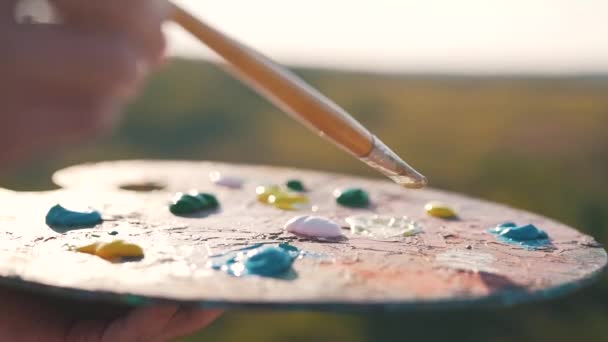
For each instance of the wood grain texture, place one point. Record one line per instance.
(452, 262)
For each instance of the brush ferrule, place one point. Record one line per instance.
(384, 160)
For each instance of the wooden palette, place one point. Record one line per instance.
(452, 262)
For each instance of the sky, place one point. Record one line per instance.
(453, 36)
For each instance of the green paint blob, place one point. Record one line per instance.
(186, 204)
(295, 185)
(134, 300)
(189, 204)
(353, 197)
(60, 217)
(212, 202)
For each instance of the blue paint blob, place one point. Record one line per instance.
(269, 261)
(498, 229)
(527, 235)
(260, 260)
(289, 247)
(523, 233)
(60, 217)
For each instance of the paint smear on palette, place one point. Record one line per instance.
(60, 217)
(259, 259)
(527, 236)
(313, 226)
(385, 228)
(467, 260)
(221, 179)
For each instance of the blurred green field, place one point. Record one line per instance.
(535, 143)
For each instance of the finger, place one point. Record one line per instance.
(139, 20)
(21, 309)
(142, 324)
(188, 321)
(86, 330)
(54, 55)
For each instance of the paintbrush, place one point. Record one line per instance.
(304, 103)
(301, 101)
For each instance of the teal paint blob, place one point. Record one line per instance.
(189, 203)
(295, 185)
(353, 197)
(527, 235)
(60, 217)
(261, 260)
(113, 233)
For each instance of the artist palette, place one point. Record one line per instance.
(449, 262)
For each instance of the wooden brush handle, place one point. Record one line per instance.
(282, 88)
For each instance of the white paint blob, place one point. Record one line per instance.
(224, 180)
(313, 226)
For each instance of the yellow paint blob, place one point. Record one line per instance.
(113, 250)
(119, 249)
(281, 197)
(438, 209)
(265, 191)
(288, 201)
